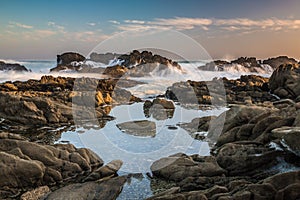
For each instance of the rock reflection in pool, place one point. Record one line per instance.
(138, 153)
(141, 128)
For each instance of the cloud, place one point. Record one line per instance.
(114, 22)
(206, 24)
(17, 24)
(91, 24)
(54, 25)
(134, 21)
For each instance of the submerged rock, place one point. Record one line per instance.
(143, 128)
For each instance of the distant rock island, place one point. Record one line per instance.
(248, 64)
(12, 67)
(135, 63)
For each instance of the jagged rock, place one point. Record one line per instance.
(66, 61)
(242, 64)
(284, 81)
(12, 67)
(221, 91)
(276, 62)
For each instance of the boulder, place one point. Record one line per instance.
(105, 189)
(245, 158)
(179, 166)
(284, 81)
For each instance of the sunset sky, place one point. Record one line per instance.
(225, 28)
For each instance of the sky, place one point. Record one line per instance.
(224, 28)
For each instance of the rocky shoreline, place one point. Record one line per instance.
(255, 145)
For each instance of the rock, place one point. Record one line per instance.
(291, 139)
(178, 167)
(237, 116)
(36, 194)
(245, 158)
(103, 58)
(159, 109)
(106, 189)
(141, 128)
(242, 64)
(56, 100)
(108, 170)
(135, 58)
(198, 124)
(284, 81)
(194, 195)
(276, 62)
(115, 71)
(297, 119)
(220, 92)
(26, 164)
(12, 67)
(68, 60)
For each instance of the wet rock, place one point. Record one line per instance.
(105, 189)
(242, 64)
(12, 67)
(143, 128)
(110, 169)
(115, 71)
(136, 58)
(245, 158)
(159, 109)
(276, 62)
(198, 124)
(180, 166)
(219, 92)
(66, 61)
(284, 81)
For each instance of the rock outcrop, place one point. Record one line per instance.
(280, 60)
(59, 102)
(68, 61)
(247, 89)
(242, 64)
(285, 80)
(12, 67)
